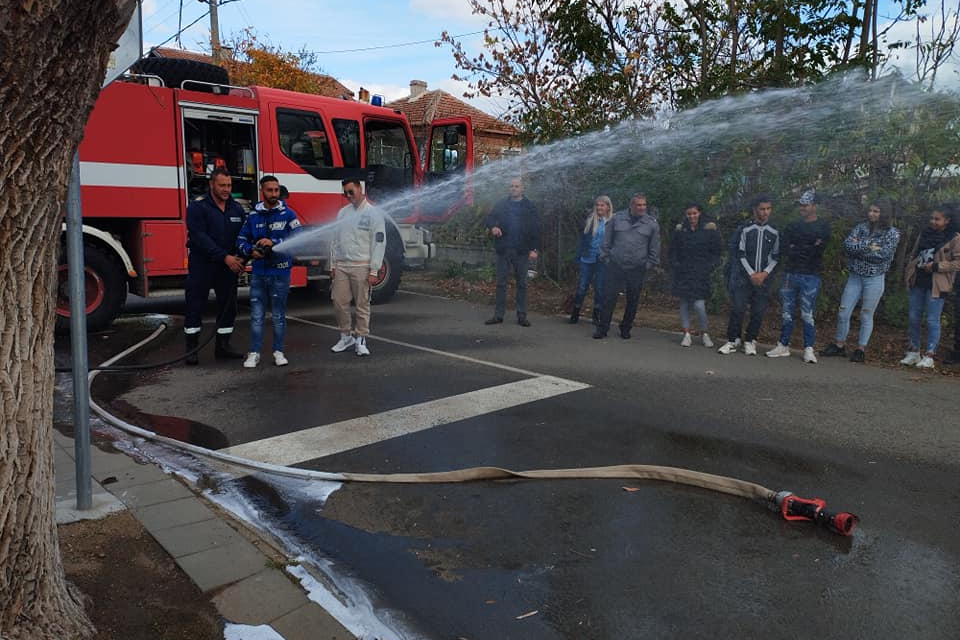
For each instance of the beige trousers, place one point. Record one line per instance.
(350, 283)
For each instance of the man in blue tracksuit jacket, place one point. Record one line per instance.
(261, 237)
(213, 223)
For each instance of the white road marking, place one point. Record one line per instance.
(437, 352)
(318, 442)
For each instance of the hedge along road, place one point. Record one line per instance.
(594, 560)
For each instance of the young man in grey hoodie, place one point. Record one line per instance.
(631, 245)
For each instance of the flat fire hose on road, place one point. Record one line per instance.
(791, 507)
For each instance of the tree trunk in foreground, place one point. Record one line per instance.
(53, 54)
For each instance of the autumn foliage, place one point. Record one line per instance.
(257, 62)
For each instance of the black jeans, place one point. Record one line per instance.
(742, 295)
(618, 279)
(515, 263)
(200, 279)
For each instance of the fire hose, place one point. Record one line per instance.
(791, 507)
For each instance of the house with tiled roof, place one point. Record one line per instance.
(328, 86)
(492, 138)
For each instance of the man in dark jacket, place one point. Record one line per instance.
(515, 227)
(213, 223)
(802, 246)
(758, 251)
(631, 245)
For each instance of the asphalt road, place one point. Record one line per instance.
(591, 559)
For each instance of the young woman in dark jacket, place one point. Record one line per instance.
(694, 253)
(588, 259)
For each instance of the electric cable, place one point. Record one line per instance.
(392, 46)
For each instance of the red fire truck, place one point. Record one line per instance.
(152, 140)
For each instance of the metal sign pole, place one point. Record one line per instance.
(128, 51)
(78, 341)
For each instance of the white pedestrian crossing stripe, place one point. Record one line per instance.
(317, 442)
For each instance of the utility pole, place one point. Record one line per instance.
(214, 31)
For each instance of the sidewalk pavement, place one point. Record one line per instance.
(241, 581)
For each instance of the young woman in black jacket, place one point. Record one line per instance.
(694, 253)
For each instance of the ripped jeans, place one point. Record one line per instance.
(804, 286)
(272, 288)
(867, 290)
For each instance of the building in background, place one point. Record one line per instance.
(493, 139)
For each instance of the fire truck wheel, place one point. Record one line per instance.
(174, 71)
(389, 279)
(105, 290)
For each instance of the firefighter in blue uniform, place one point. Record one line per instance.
(213, 224)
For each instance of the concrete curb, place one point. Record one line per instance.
(243, 582)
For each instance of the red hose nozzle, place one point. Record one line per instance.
(813, 509)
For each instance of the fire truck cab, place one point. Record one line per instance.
(148, 150)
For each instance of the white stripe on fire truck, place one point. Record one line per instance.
(115, 174)
(305, 183)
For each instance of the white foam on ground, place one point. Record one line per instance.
(357, 619)
(246, 632)
(348, 601)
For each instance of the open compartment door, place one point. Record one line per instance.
(448, 167)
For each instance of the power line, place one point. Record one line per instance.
(392, 46)
(177, 34)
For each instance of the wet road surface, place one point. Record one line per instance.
(591, 559)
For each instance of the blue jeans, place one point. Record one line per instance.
(864, 289)
(275, 287)
(805, 287)
(590, 272)
(700, 307)
(921, 301)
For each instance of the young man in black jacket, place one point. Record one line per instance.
(515, 227)
(758, 251)
(803, 245)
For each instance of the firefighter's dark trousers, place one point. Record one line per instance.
(201, 277)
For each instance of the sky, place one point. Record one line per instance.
(368, 42)
(336, 29)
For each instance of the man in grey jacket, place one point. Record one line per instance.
(631, 245)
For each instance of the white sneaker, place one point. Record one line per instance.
(361, 344)
(346, 341)
(911, 358)
(687, 341)
(729, 347)
(779, 351)
(750, 347)
(808, 355)
(926, 362)
(253, 359)
(279, 359)
(707, 342)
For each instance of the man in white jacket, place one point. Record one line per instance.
(356, 255)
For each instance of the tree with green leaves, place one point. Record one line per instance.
(566, 67)
(579, 65)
